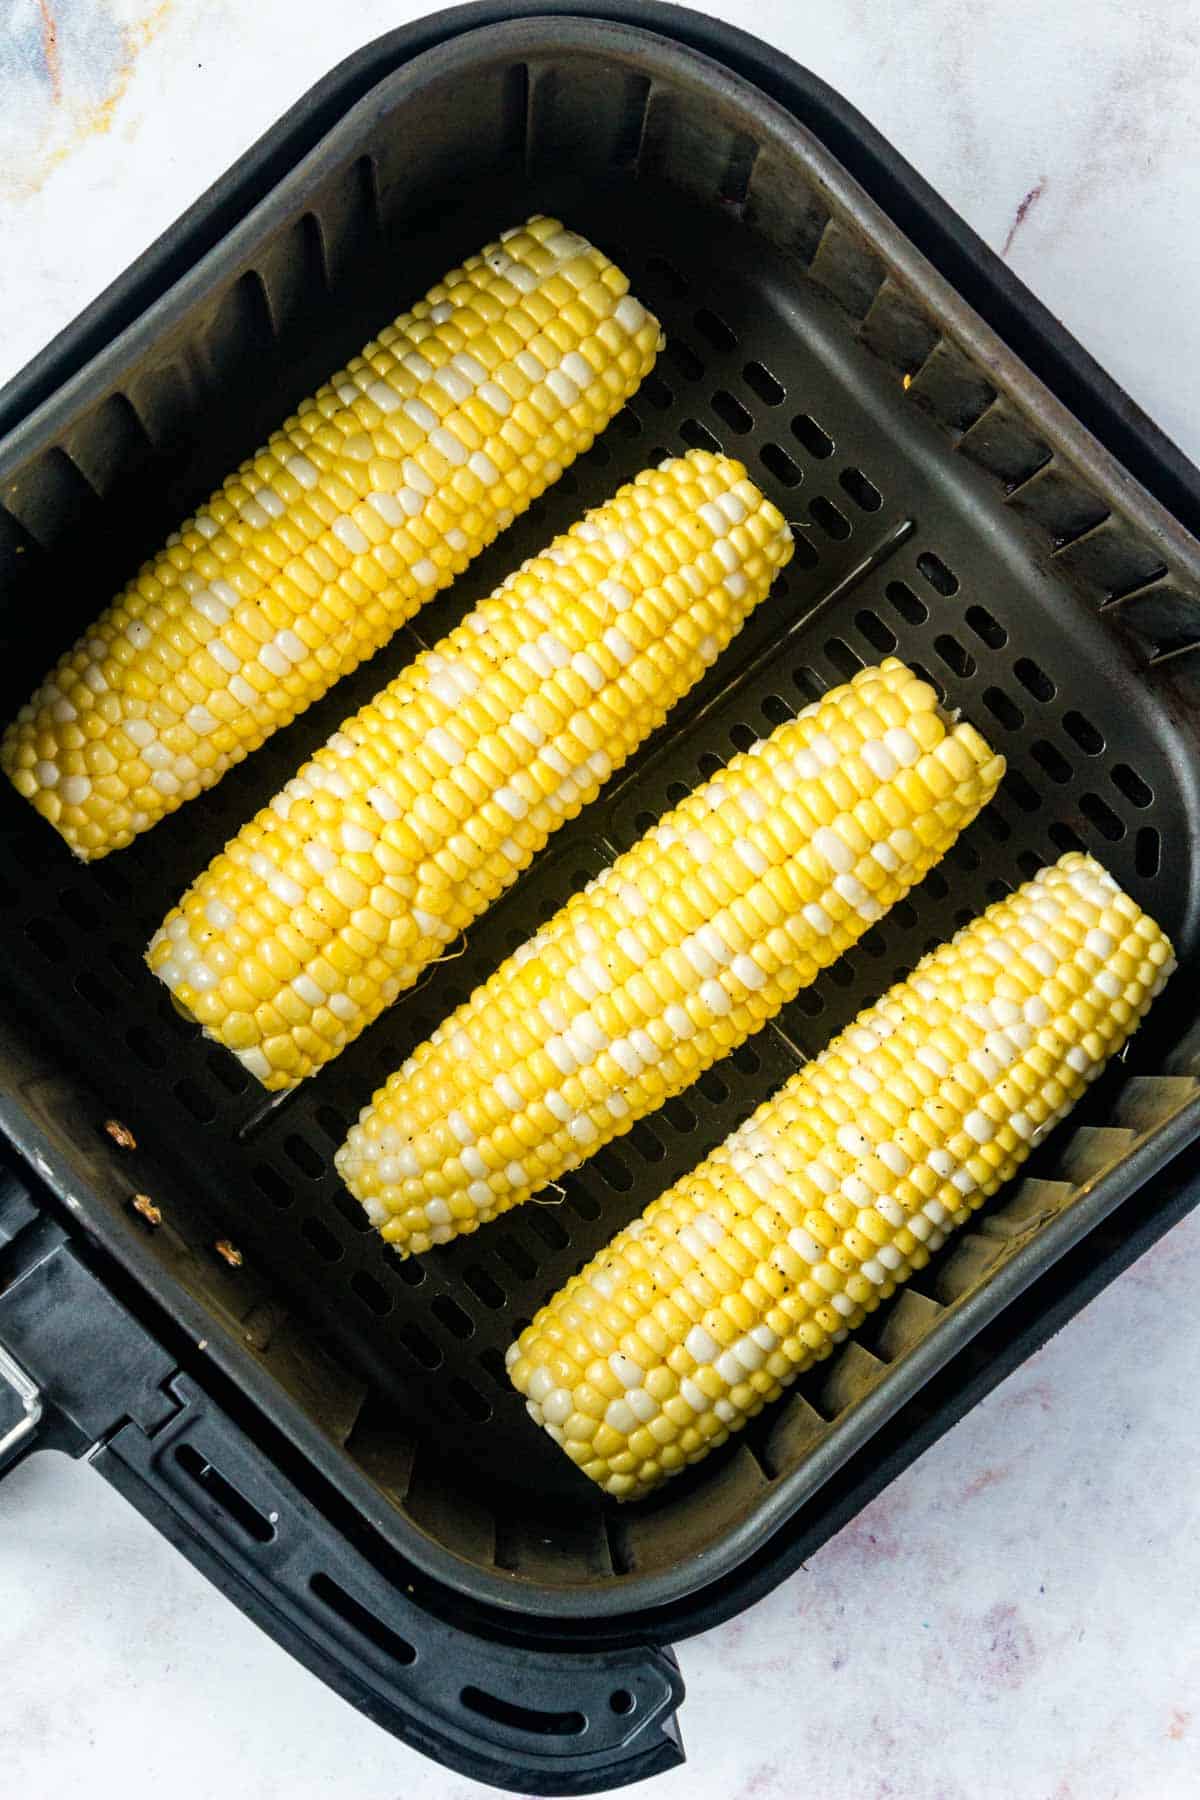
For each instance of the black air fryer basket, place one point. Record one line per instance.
(327, 1432)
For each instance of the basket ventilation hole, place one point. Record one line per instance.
(534, 1721)
(729, 408)
(760, 381)
(331, 1122)
(77, 909)
(544, 1223)
(941, 579)
(1063, 838)
(1022, 791)
(778, 463)
(984, 626)
(1034, 679)
(148, 1049)
(469, 1400)
(909, 605)
(697, 436)
(684, 359)
(581, 1203)
(680, 1116)
(1003, 708)
(1147, 851)
(807, 432)
(372, 1293)
(712, 1087)
(1085, 734)
(712, 326)
(958, 660)
(776, 710)
(1128, 782)
(420, 1347)
(516, 1256)
(735, 181)
(926, 675)
(646, 1142)
(1102, 816)
(318, 1234)
(452, 1316)
(353, 1613)
(197, 1102)
(302, 1154)
(632, 123)
(808, 683)
(622, 1701)
(1049, 758)
(483, 1287)
(270, 1182)
(667, 275)
(656, 391)
(831, 519)
(865, 495)
(42, 934)
(232, 1502)
(846, 661)
(228, 1073)
(612, 1171)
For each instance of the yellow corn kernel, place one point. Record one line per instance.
(544, 1022)
(375, 494)
(836, 1266)
(428, 803)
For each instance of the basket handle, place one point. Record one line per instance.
(79, 1373)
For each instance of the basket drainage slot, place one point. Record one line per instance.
(523, 1718)
(353, 1613)
(231, 1501)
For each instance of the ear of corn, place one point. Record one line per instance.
(377, 492)
(753, 1266)
(686, 945)
(431, 800)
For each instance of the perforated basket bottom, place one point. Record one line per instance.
(923, 558)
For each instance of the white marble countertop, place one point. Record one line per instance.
(1015, 1618)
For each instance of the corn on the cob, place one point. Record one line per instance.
(372, 497)
(433, 798)
(752, 1267)
(672, 957)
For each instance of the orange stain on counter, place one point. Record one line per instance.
(88, 61)
(50, 50)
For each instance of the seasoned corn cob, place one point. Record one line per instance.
(670, 958)
(372, 497)
(432, 799)
(752, 1267)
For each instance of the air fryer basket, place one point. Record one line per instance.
(946, 509)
